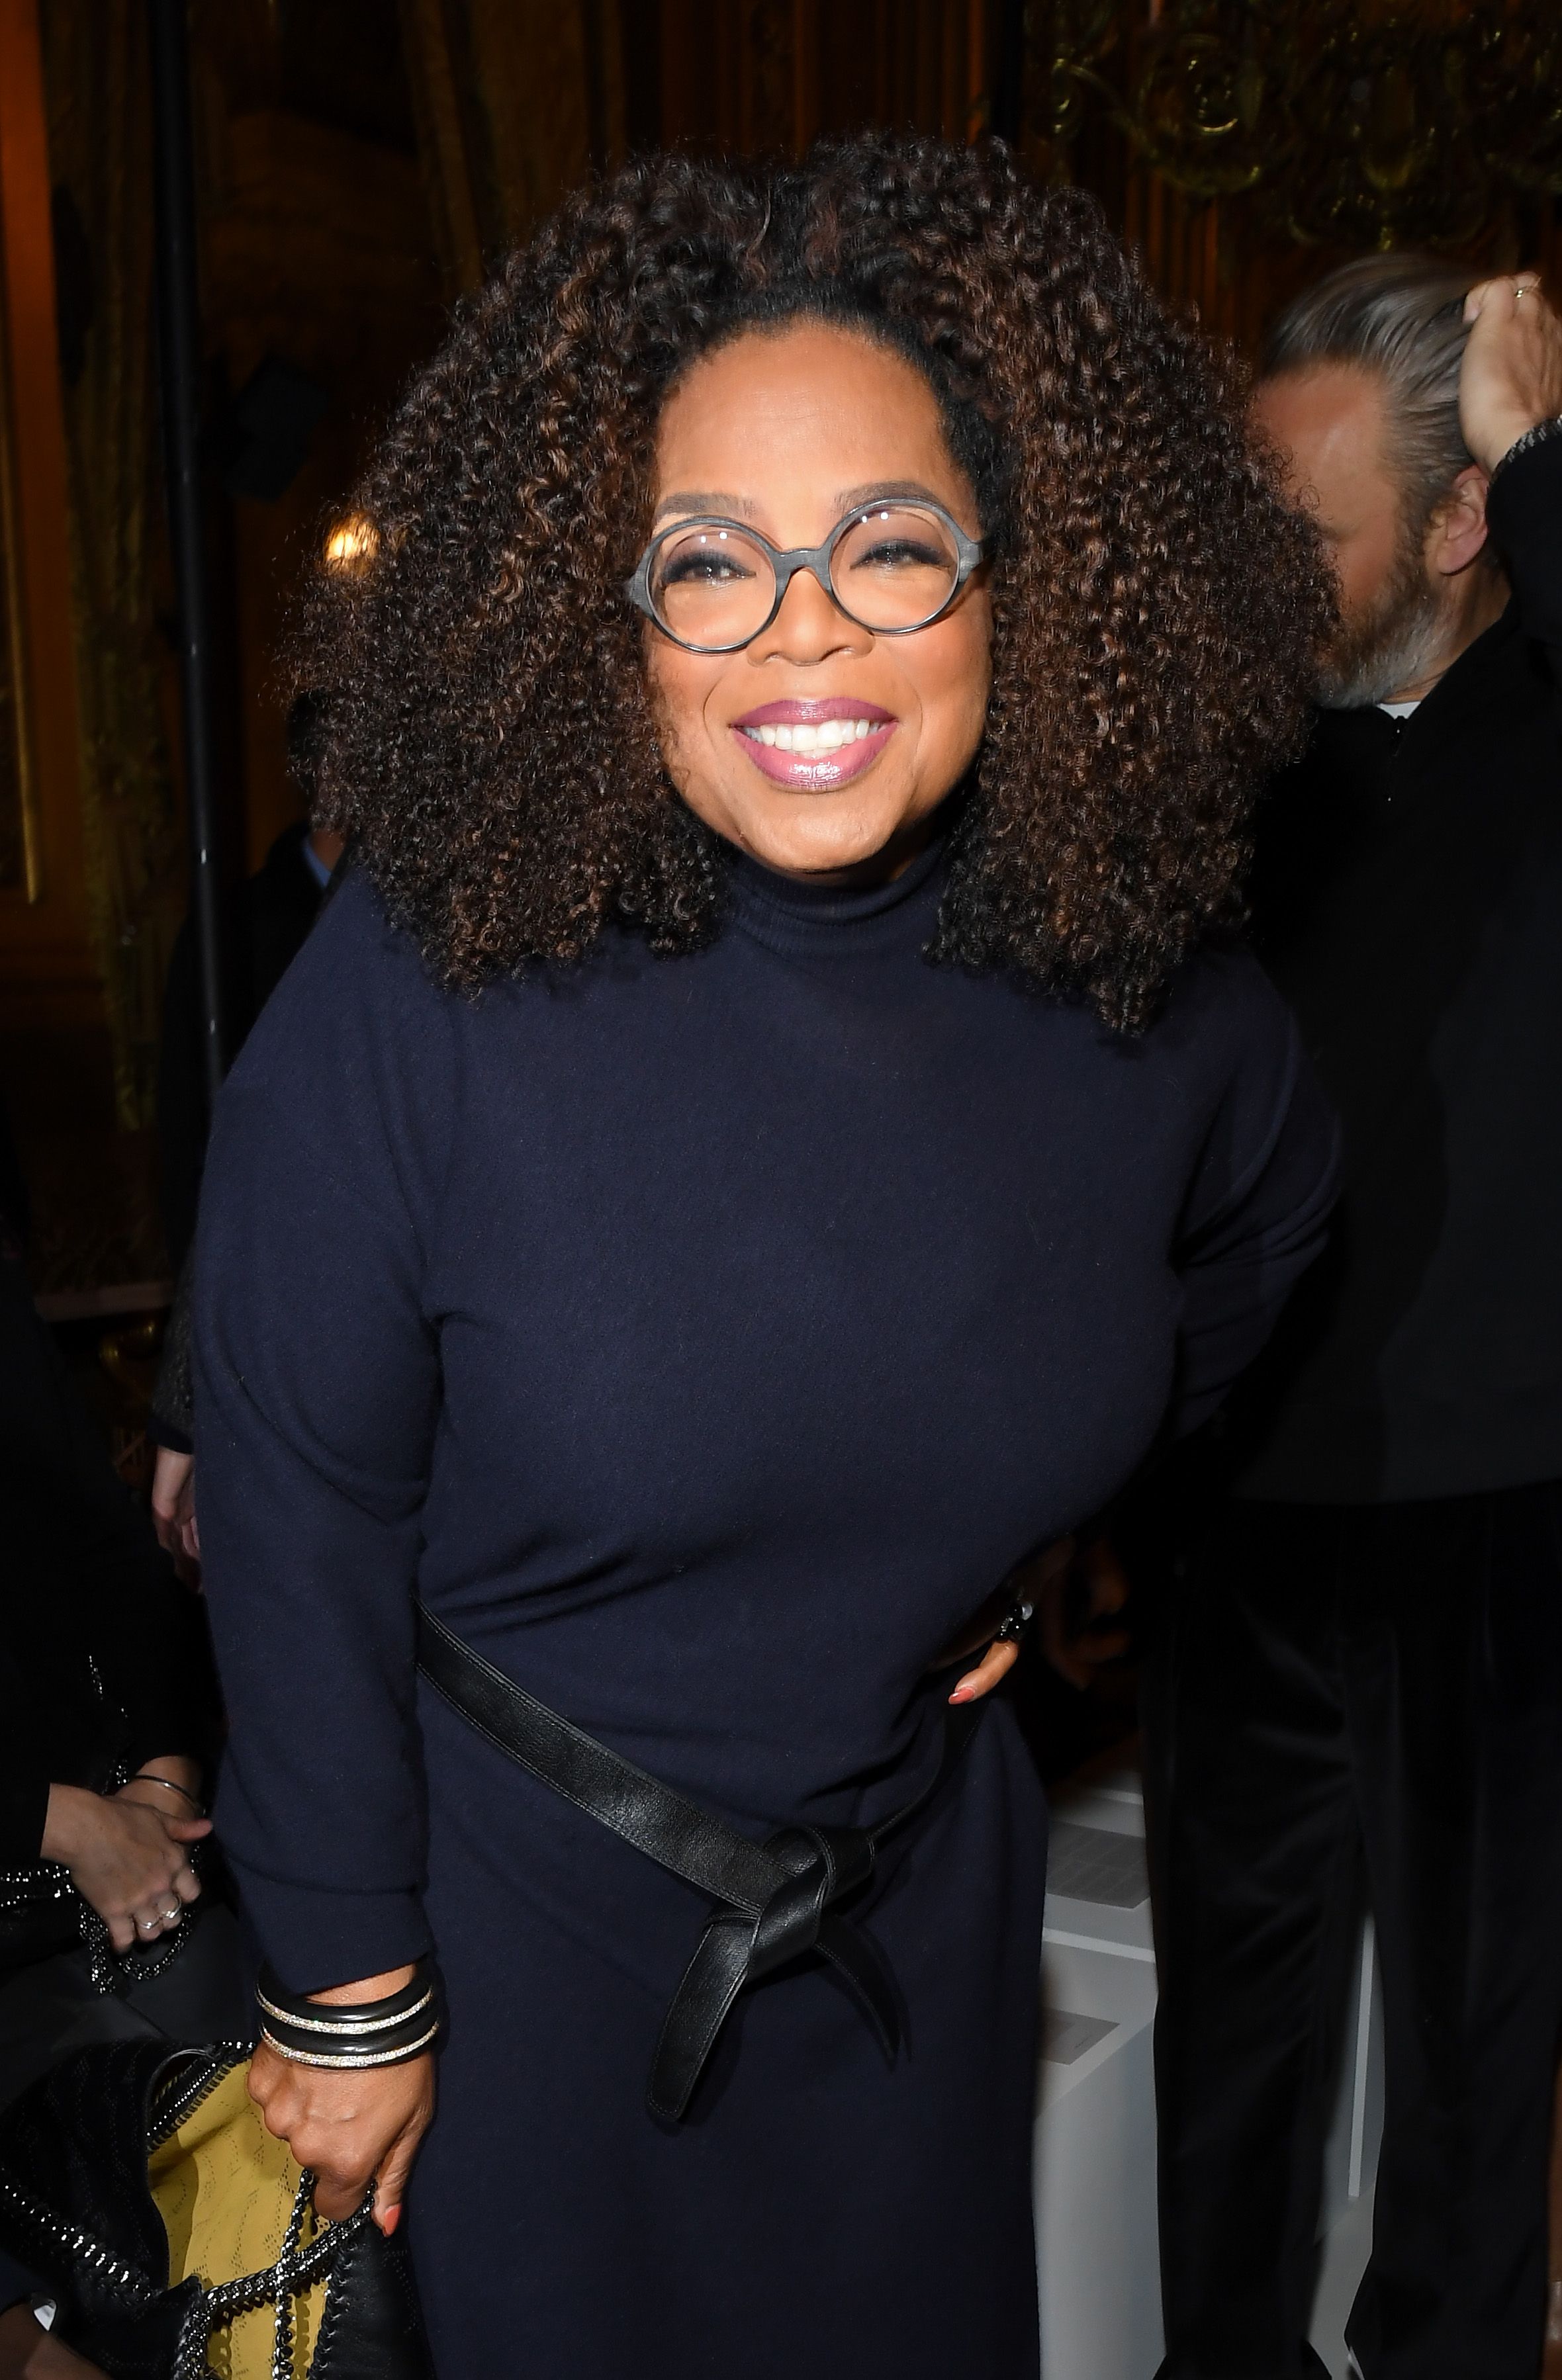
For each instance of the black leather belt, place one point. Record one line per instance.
(776, 1900)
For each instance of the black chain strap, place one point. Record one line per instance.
(294, 2271)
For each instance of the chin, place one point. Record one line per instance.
(802, 845)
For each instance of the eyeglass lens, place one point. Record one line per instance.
(893, 569)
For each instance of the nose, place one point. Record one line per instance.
(810, 627)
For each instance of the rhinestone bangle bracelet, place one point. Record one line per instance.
(349, 2058)
(366, 2032)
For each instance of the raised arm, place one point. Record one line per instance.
(1510, 388)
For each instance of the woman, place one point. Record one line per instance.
(108, 1719)
(746, 1161)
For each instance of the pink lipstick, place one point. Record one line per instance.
(815, 747)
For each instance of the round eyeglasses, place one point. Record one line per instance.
(714, 586)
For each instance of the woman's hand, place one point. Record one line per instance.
(126, 1857)
(1023, 1584)
(352, 2127)
(173, 1511)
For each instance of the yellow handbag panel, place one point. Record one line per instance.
(225, 2189)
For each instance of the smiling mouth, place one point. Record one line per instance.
(815, 747)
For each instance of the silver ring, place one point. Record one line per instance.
(148, 1924)
(1522, 289)
(172, 1916)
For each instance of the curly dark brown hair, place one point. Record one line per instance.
(1157, 606)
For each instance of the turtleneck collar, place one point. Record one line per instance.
(829, 920)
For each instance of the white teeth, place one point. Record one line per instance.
(829, 735)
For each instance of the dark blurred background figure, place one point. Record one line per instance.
(267, 920)
(1362, 1659)
(109, 1730)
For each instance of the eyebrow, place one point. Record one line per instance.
(693, 500)
(704, 500)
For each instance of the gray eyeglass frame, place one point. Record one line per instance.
(816, 559)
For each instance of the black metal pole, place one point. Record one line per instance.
(1006, 113)
(178, 326)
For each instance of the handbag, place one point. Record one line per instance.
(177, 2237)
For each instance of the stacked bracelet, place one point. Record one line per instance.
(365, 2033)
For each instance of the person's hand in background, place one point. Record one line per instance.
(127, 1855)
(1511, 377)
(173, 1511)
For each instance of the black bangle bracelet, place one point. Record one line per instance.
(364, 2033)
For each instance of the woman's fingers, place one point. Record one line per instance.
(995, 1666)
(390, 2182)
(346, 2128)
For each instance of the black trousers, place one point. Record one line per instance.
(1332, 1683)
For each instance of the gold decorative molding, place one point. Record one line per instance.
(1340, 121)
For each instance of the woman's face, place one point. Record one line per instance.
(788, 430)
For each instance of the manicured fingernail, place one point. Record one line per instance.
(964, 1691)
(389, 2220)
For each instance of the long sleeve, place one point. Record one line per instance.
(1256, 1216)
(316, 1391)
(172, 1419)
(89, 1599)
(1525, 511)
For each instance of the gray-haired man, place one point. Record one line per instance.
(1366, 1652)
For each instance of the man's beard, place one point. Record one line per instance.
(1397, 643)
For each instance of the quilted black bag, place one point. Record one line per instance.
(132, 2175)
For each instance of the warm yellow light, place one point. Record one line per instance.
(353, 543)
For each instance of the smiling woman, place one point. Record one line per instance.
(696, 1221)
(852, 673)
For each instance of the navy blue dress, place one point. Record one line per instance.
(704, 1339)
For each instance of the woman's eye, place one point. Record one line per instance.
(702, 569)
(899, 553)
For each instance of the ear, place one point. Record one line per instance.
(1458, 530)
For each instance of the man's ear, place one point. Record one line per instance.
(1458, 530)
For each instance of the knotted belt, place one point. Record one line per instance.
(776, 1900)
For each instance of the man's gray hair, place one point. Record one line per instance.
(1403, 317)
